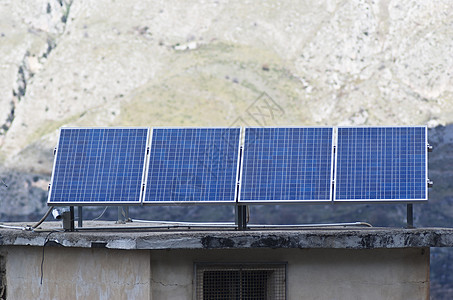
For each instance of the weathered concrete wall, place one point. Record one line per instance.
(78, 273)
(311, 273)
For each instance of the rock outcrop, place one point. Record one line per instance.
(217, 63)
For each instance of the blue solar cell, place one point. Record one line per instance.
(190, 165)
(95, 166)
(381, 164)
(287, 164)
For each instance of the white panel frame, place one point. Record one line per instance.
(281, 201)
(363, 201)
(97, 203)
(185, 203)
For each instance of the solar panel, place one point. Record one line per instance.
(381, 164)
(287, 165)
(98, 166)
(193, 165)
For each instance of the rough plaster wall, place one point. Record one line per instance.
(168, 274)
(312, 274)
(77, 274)
(367, 274)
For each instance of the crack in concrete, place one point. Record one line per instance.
(125, 283)
(163, 284)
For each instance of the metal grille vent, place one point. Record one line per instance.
(240, 281)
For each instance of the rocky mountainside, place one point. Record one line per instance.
(99, 63)
(222, 63)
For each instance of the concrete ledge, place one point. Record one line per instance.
(109, 235)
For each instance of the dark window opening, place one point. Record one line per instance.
(241, 282)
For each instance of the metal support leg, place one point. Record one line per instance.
(79, 216)
(241, 217)
(71, 212)
(410, 216)
(123, 214)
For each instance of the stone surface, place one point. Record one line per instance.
(112, 236)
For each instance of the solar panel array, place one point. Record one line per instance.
(95, 166)
(381, 164)
(99, 166)
(188, 165)
(287, 164)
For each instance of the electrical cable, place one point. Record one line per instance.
(311, 225)
(46, 240)
(174, 225)
(29, 228)
(43, 218)
(13, 227)
(185, 223)
(100, 216)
